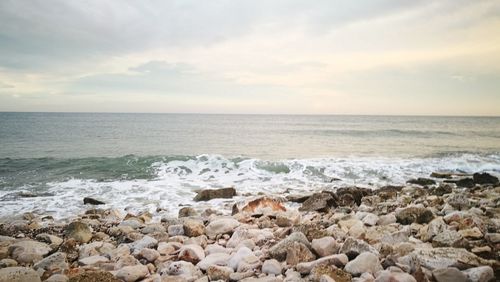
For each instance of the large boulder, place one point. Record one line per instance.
(28, 251)
(209, 194)
(484, 178)
(18, 274)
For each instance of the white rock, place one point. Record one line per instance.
(149, 254)
(92, 260)
(271, 266)
(214, 248)
(168, 248)
(386, 219)
(182, 268)
(221, 259)
(132, 273)
(238, 257)
(28, 251)
(145, 242)
(449, 274)
(175, 230)
(370, 219)
(221, 226)
(388, 276)
(480, 274)
(325, 246)
(364, 262)
(216, 272)
(94, 249)
(192, 253)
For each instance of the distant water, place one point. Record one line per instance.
(50, 161)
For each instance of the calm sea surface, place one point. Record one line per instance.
(134, 161)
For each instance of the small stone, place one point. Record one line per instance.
(193, 228)
(492, 237)
(482, 249)
(449, 238)
(271, 266)
(216, 272)
(364, 262)
(238, 257)
(18, 274)
(192, 253)
(449, 274)
(94, 276)
(386, 219)
(79, 231)
(388, 276)
(145, 242)
(320, 202)
(353, 247)
(480, 274)
(53, 241)
(473, 233)
(132, 273)
(370, 219)
(168, 248)
(325, 246)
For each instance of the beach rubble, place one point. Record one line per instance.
(443, 228)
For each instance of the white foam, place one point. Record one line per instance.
(177, 181)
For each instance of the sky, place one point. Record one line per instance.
(405, 57)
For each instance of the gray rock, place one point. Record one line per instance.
(386, 219)
(446, 257)
(55, 263)
(325, 246)
(132, 273)
(53, 241)
(449, 274)
(145, 242)
(149, 254)
(353, 247)
(449, 238)
(434, 227)
(271, 266)
(480, 274)
(175, 230)
(209, 194)
(238, 257)
(364, 263)
(221, 226)
(57, 278)
(298, 252)
(28, 251)
(279, 250)
(18, 274)
(79, 231)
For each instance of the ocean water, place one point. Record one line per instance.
(134, 162)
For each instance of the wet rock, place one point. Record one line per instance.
(193, 228)
(446, 257)
(216, 272)
(92, 201)
(449, 274)
(220, 259)
(298, 252)
(421, 181)
(325, 246)
(484, 178)
(187, 212)
(18, 274)
(221, 226)
(441, 190)
(271, 266)
(209, 194)
(480, 274)
(55, 263)
(191, 253)
(414, 215)
(279, 251)
(465, 182)
(336, 260)
(320, 202)
(28, 252)
(364, 263)
(132, 273)
(79, 231)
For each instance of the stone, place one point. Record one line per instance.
(364, 262)
(216, 272)
(434, 227)
(279, 251)
(421, 181)
(485, 178)
(132, 273)
(183, 269)
(351, 196)
(388, 276)
(57, 278)
(298, 252)
(221, 226)
(175, 230)
(238, 257)
(191, 253)
(153, 228)
(168, 248)
(449, 274)
(271, 266)
(480, 274)
(79, 231)
(220, 259)
(441, 190)
(320, 202)
(95, 248)
(331, 272)
(149, 254)
(7, 263)
(492, 237)
(18, 274)
(353, 247)
(145, 242)
(28, 252)
(472, 233)
(436, 258)
(53, 241)
(370, 219)
(55, 263)
(249, 263)
(339, 260)
(325, 246)
(193, 228)
(411, 215)
(259, 236)
(458, 201)
(386, 219)
(465, 182)
(92, 201)
(449, 238)
(209, 194)
(262, 205)
(187, 212)
(94, 276)
(93, 260)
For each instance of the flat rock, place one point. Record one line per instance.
(18, 274)
(320, 202)
(132, 273)
(209, 194)
(449, 274)
(388, 276)
(422, 181)
(92, 201)
(28, 251)
(221, 259)
(339, 260)
(221, 226)
(446, 257)
(449, 238)
(93, 260)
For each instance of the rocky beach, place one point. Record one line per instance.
(442, 228)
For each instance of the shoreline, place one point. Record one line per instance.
(422, 231)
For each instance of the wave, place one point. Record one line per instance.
(131, 182)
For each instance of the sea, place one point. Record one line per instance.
(156, 162)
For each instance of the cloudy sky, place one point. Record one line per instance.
(258, 56)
